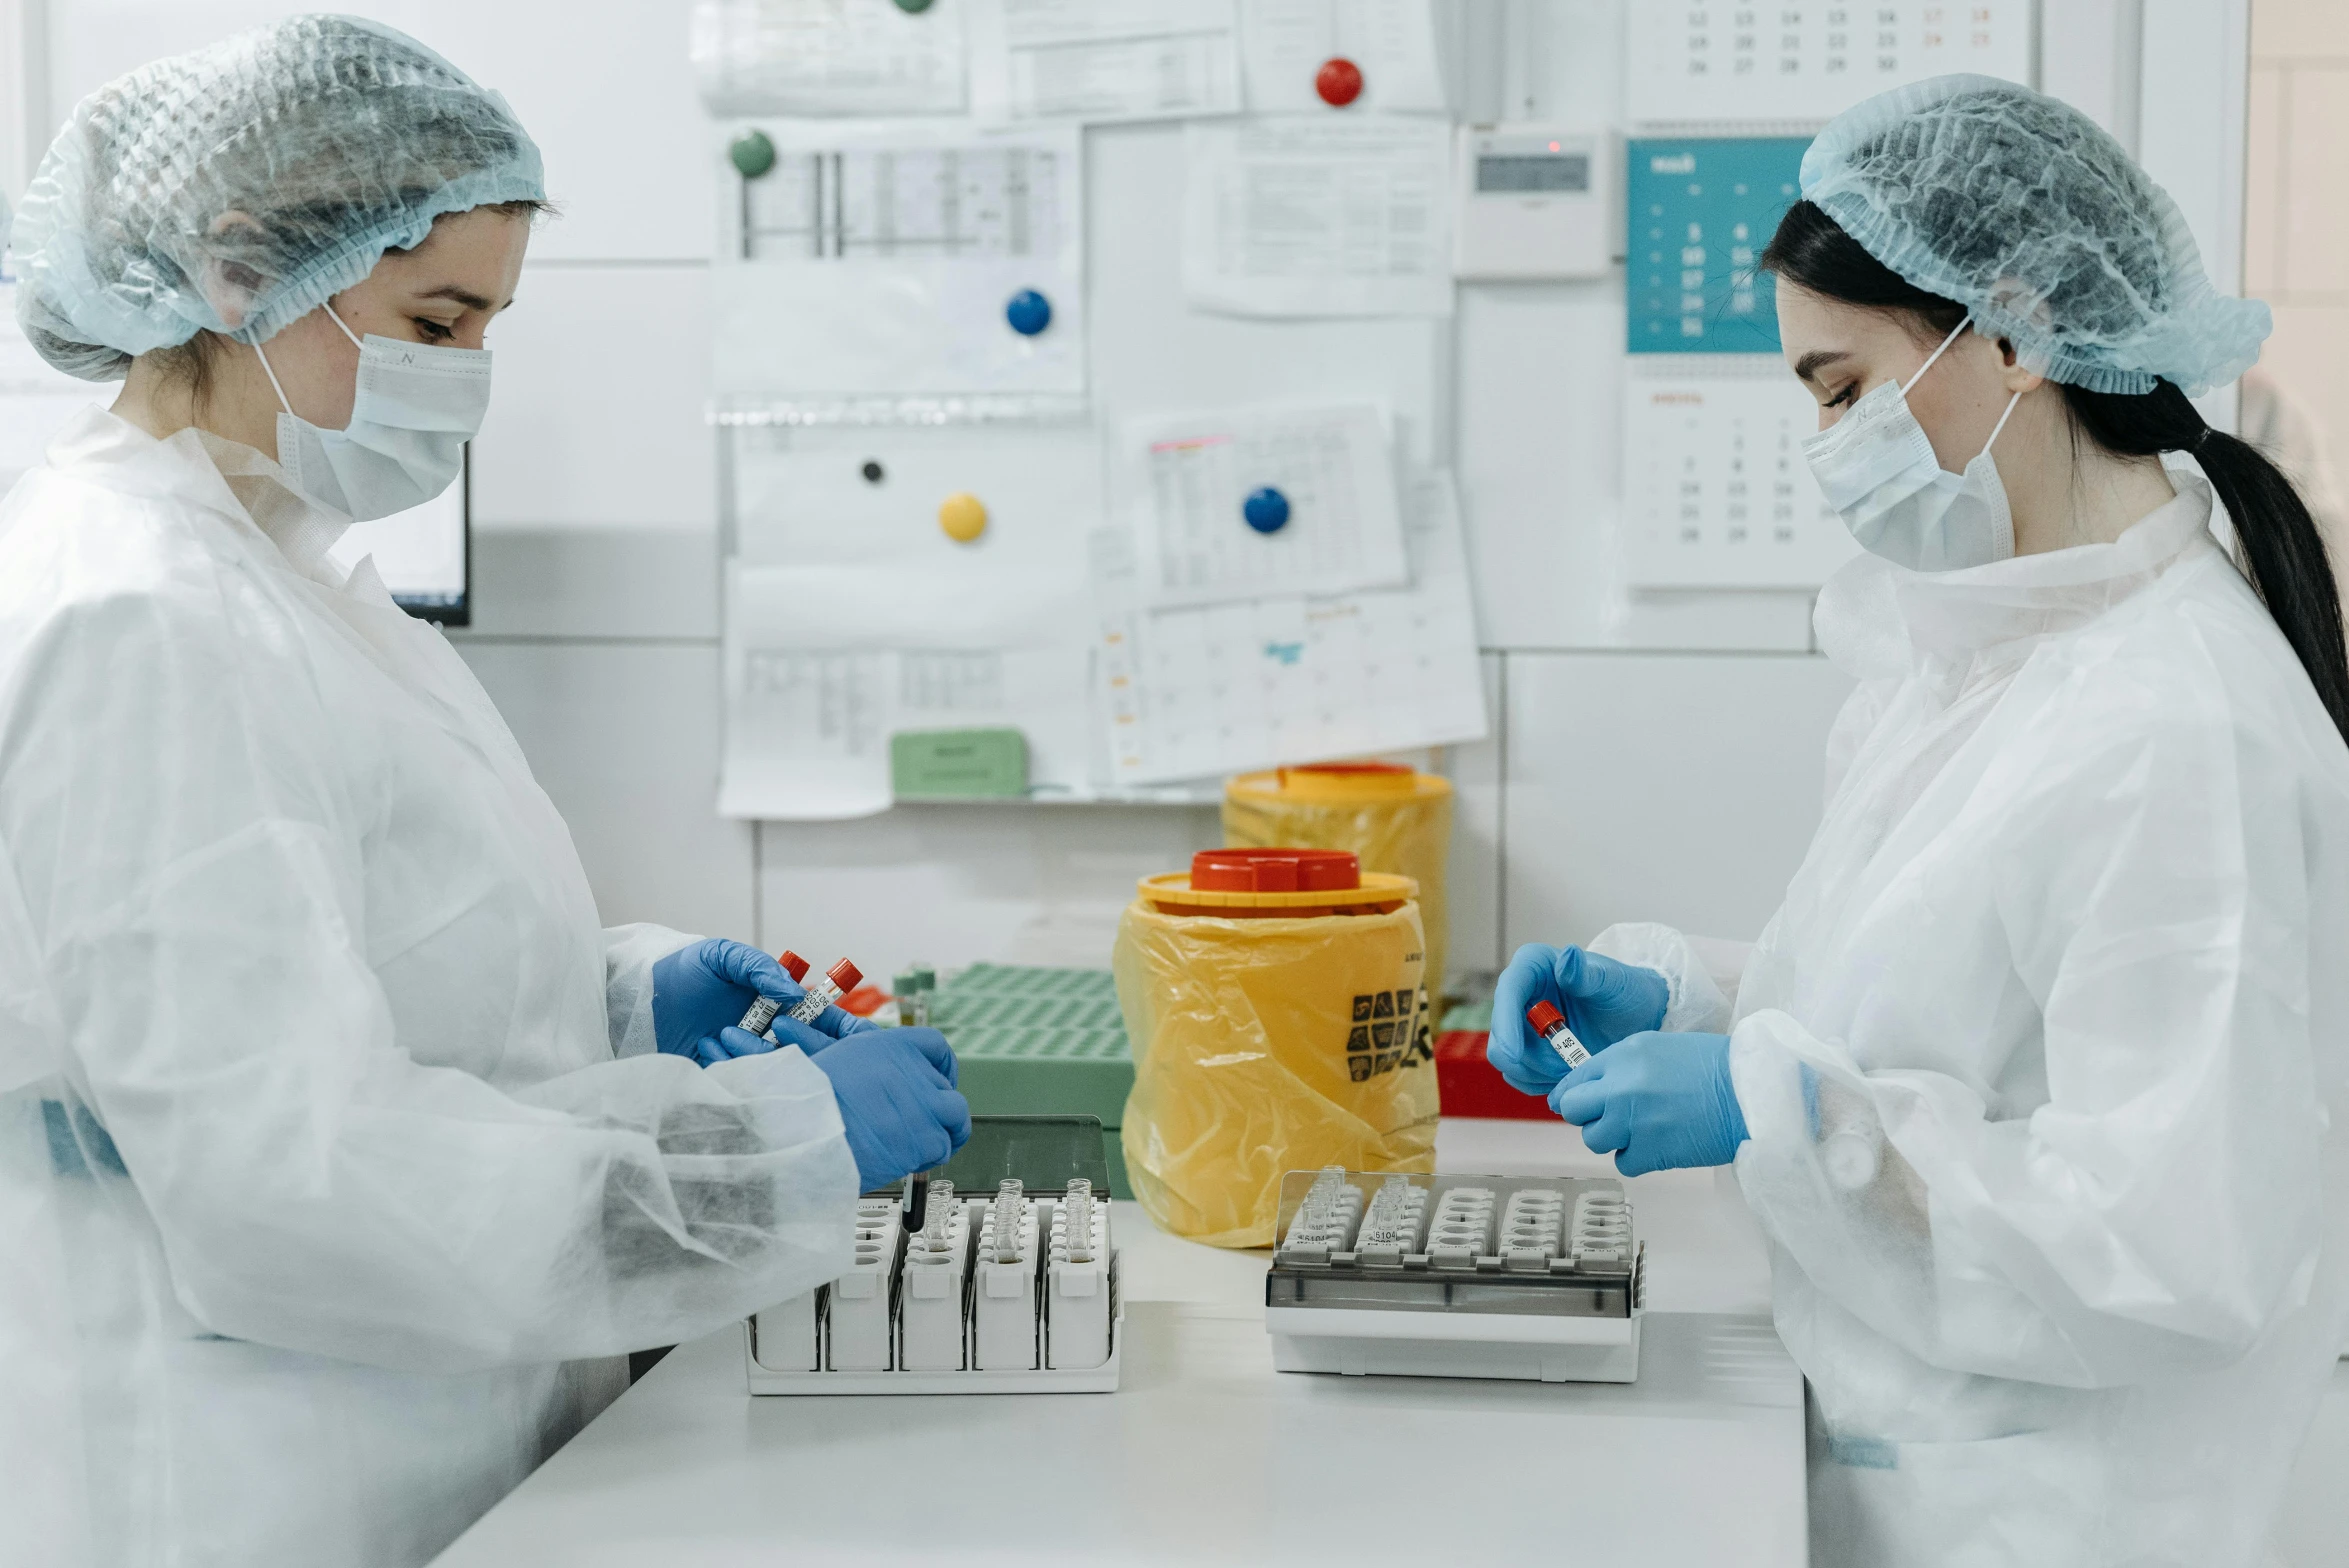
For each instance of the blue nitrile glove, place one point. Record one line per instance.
(831, 1025)
(901, 1112)
(1604, 1000)
(1657, 1102)
(702, 991)
(835, 1026)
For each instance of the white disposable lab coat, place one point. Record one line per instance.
(2043, 1058)
(331, 1142)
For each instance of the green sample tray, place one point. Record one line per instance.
(1040, 1042)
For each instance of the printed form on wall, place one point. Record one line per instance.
(1319, 216)
(825, 663)
(817, 57)
(904, 258)
(1253, 502)
(1102, 60)
(1194, 693)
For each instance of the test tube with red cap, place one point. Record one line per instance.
(762, 1012)
(842, 978)
(1550, 1024)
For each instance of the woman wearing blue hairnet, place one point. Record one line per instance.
(2036, 1082)
(339, 1148)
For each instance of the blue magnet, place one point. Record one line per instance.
(1266, 509)
(1028, 312)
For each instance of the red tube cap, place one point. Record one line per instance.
(1339, 81)
(846, 975)
(1543, 1017)
(793, 965)
(1275, 870)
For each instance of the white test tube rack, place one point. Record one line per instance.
(1058, 1318)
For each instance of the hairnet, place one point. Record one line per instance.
(237, 188)
(2023, 210)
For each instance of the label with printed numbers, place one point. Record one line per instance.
(1717, 493)
(1696, 60)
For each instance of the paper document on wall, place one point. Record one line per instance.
(1318, 216)
(883, 259)
(1284, 44)
(821, 57)
(1717, 493)
(1189, 480)
(36, 398)
(825, 663)
(1100, 60)
(1194, 693)
(1697, 62)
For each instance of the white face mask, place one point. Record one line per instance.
(1876, 467)
(412, 410)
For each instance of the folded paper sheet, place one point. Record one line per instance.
(1193, 693)
(1099, 60)
(1319, 215)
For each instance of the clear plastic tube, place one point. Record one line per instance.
(762, 1012)
(1550, 1024)
(842, 978)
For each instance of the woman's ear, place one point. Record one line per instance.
(229, 286)
(2016, 376)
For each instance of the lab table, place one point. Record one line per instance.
(1206, 1454)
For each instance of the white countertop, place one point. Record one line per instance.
(1206, 1454)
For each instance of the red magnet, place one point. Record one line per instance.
(1339, 81)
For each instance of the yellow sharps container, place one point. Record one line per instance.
(1394, 819)
(1279, 1022)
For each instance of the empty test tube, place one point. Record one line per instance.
(1390, 1227)
(762, 1012)
(1076, 1207)
(842, 978)
(1550, 1024)
(1009, 1196)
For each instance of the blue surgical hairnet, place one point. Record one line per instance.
(2021, 209)
(238, 188)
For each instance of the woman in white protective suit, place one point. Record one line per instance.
(2035, 1082)
(339, 1148)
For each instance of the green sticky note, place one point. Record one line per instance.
(958, 764)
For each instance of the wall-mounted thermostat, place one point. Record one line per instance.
(1536, 201)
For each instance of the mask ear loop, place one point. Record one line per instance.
(2001, 425)
(283, 401)
(273, 383)
(1935, 355)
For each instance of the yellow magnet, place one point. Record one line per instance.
(963, 516)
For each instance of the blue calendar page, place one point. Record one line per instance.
(1700, 209)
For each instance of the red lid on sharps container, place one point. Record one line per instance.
(1543, 1017)
(846, 975)
(1275, 870)
(793, 965)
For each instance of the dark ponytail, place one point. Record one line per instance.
(2281, 547)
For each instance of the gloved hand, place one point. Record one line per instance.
(1603, 999)
(701, 992)
(835, 1026)
(897, 1101)
(1657, 1102)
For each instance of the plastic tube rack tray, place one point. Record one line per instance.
(1455, 1276)
(1014, 1292)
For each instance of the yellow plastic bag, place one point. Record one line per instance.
(1393, 819)
(1265, 1043)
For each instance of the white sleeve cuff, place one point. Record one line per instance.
(1697, 1005)
(629, 955)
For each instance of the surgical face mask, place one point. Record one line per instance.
(1876, 467)
(412, 411)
